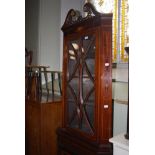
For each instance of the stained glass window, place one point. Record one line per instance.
(119, 8)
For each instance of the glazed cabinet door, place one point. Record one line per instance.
(87, 83)
(80, 83)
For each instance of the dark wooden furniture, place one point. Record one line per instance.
(87, 84)
(28, 57)
(43, 115)
(28, 61)
(36, 70)
(42, 118)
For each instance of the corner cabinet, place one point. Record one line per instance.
(87, 84)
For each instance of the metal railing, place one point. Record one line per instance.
(39, 81)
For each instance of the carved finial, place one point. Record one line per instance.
(72, 16)
(90, 9)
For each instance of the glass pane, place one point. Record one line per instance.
(72, 64)
(89, 51)
(88, 113)
(80, 86)
(73, 50)
(73, 117)
(87, 86)
(90, 65)
(73, 85)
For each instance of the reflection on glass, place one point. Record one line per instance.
(72, 57)
(76, 46)
(71, 52)
(86, 37)
(82, 50)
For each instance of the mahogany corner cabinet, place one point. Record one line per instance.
(87, 84)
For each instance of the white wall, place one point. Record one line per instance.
(44, 19)
(120, 118)
(42, 31)
(49, 34)
(31, 27)
(120, 92)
